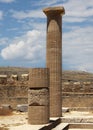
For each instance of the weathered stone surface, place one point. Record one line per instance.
(3, 79)
(54, 57)
(5, 109)
(24, 77)
(14, 76)
(38, 77)
(38, 97)
(22, 107)
(77, 120)
(6, 106)
(65, 109)
(38, 115)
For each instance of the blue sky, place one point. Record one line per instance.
(23, 33)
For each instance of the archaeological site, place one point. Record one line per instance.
(46, 98)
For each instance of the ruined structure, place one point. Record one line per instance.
(38, 96)
(44, 81)
(54, 57)
(3, 79)
(77, 89)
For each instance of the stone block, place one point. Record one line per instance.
(6, 106)
(65, 109)
(38, 115)
(38, 78)
(5, 109)
(22, 107)
(38, 97)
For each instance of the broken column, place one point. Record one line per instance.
(54, 57)
(38, 96)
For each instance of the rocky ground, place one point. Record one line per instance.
(16, 121)
(19, 120)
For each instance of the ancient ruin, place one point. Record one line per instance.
(38, 96)
(40, 79)
(54, 57)
(42, 93)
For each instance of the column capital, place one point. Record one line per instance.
(54, 10)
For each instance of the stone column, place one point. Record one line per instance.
(38, 96)
(54, 57)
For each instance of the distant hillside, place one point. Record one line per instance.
(66, 75)
(13, 70)
(77, 76)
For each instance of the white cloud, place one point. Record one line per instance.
(44, 3)
(1, 15)
(27, 47)
(27, 14)
(77, 36)
(77, 10)
(71, 19)
(36, 25)
(78, 39)
(36, 13)
(86, 67)
(78, 48)
(7, 1)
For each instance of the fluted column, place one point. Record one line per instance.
(54, 57)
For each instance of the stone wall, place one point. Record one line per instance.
(13, 91)
(77, 86)
(77, 93)
(78, 100)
